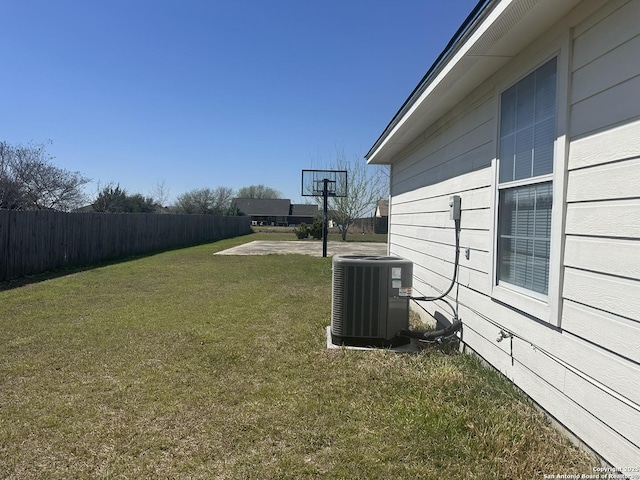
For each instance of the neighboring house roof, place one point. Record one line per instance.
(304, 210)
(271, 207)
(494, 32)
(162, 210)
(382, 208)
(84, 209)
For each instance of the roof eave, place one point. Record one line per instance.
(457, 39)
(494, 32)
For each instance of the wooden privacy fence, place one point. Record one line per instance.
(35, 242)
(370, 225)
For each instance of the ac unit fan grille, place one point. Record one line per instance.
(356, 302)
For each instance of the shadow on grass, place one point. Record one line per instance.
(70, 270)
(65, 271)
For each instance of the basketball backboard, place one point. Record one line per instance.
(313, 183)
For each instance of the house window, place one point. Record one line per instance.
(527, 134)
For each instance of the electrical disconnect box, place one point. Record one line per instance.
(455, 207)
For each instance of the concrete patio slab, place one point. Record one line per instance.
(261, 247)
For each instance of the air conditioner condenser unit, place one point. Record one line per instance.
(370, 300)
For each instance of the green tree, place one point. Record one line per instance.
(234, 211)
(138, 203)
(110, 199)
(114, 199)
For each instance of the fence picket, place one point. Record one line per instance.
(39, 241)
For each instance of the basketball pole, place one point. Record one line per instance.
(325, 223)
(334, 183)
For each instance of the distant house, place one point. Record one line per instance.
(265, 211)
(303, 213)
(382, 209)
(276, 211)
(381, 224)
(531, 115)
(85, 209)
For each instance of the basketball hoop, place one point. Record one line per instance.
(325, 184)
(313, 183)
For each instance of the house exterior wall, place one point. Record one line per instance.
(581, 361)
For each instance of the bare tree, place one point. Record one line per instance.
(29, 181)
(366, 185)
(258, 191)
(160, 194)
(11, 192)
(205, 201)
(223, 197)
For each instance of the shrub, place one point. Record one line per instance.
(316, 229)
(301, 231)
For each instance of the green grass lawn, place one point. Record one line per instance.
(190, 365)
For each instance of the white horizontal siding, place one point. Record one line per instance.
(577, 417)
(606, 71)
(461, 145)
(475, 239)
(618, 415)
(603, 188)
(471, 142)
(585, 373)
(473, 219)
(603, 367)
(620, 296)
(459, 184)
(610, 107)
(601, 287)
(433, 266)
(473, 200)
(450, 138)
(472, 160)
(605, 34)
(615, 333)
(616, 143)
(565, 395)
(611, 256)
(451, 151)
(571, 382)
(429, 283)
(478, 259)
(610, 181)
(604, 219)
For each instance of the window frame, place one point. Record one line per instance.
(547, 308)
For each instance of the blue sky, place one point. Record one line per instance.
(208, 93)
